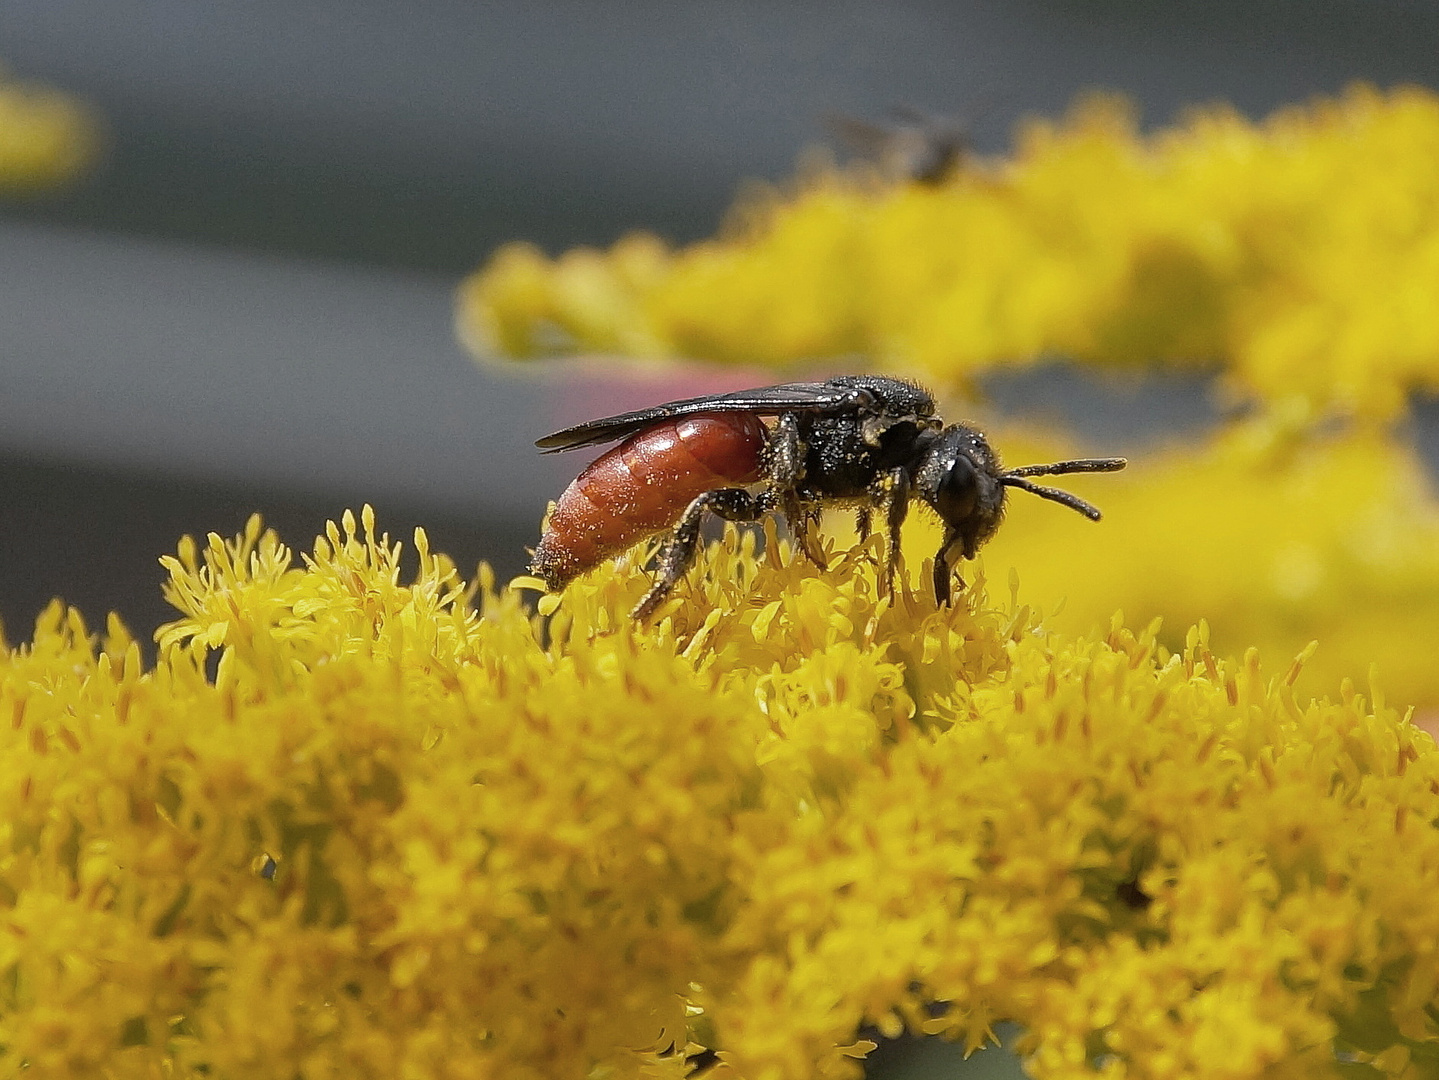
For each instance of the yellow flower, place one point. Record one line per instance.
(1300, 256)
(46, 137)
(1273, 535)
(351, 826)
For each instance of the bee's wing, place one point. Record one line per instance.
(860, 136)
(764, 400)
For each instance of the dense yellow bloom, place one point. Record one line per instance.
(349, 826)
(1301, 255)
(1273, 535)
(46, 137)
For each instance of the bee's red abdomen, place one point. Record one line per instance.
(643, 485)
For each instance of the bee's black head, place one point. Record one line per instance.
(961, 478)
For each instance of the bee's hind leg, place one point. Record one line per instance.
(678, 553)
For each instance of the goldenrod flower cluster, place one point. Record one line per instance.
(1276, 537)
(1299, 257)
(350, 826)
(1300, 254)
(46, 137)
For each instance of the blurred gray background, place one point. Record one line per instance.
(247, 305)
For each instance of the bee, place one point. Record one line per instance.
(865, 441)
(914, 146)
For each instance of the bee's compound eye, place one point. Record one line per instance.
(958, 490)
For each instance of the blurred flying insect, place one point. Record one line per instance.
(914, 146)
(865, 441)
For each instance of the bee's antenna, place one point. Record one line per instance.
(1074, 502)
(1092, 464)
(1016, 478)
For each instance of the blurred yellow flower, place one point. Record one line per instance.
(46, 137)
(1300, 256)
(350, 826)
(1275, 536)
(1297, 257)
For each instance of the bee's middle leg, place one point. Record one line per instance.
(783, 475)
(891, 495)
